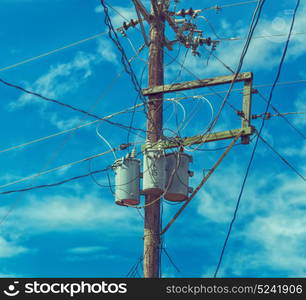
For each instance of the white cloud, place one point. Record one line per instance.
(283, 238)
(106, 51)
(10, 249)
(65, 213)
(217, 199)
(8, 275)
(294, 151)
(273, 211)
(99, 9)
(64, 124)
(300, 105)
(87, 249)
(59, 80)
(120, 15)
(65, 78)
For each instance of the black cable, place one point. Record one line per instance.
(53, 184)
(257, 139)
(135, 102)
(68, 106)
(284, 117)
(110, 184)
(254, 22)
(124, 60)
(175, 57)
(134, 267)
(171, 260)
(294, 169)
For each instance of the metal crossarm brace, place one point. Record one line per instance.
(199, 139)
(188, 85)
(246, 128)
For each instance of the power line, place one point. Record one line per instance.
(67, 130)
(294, 169)
(67, 106)
(54, 184)
(263, 85)
(261, 36)
(124, 60)
(219, 7)
(289, 113)
(58, 168)
(268, 115)
(77, 127)
(282, 115)
(104, 33)
(171, 260)
(52, 51)
(256, 142)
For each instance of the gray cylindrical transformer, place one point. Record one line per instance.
(154, 172)
(177, 172)
(127, 181)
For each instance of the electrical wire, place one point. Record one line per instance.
(105, 141)
(219, 7)
(171, 260)
(68, 130)
(54, 184)
(263, 85)
(256, 142)
(105, 33)
(175, 104)
(210, 25)
(135, 102)
(68, 106)
(136, 51)
(282, 115)
(124, 60)
(261, 36)
(294, 169)
(57, 168)
(279, 114)
(211, 109)
(52, 51)
(220, 61)
(254, 22)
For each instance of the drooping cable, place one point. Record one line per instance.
(256, 142)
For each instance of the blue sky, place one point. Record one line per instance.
(76, 230)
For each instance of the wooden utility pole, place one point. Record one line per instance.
(154, 133)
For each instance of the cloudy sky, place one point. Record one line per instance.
(76, 230)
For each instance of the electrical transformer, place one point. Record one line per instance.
(154, 172)
(127, 180)
(177, 174)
